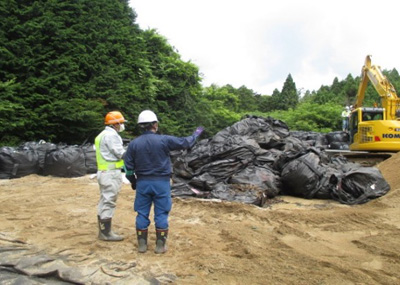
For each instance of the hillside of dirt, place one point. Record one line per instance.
(50, 224)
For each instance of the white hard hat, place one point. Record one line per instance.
(147, 116)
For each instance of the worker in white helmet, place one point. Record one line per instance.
(148, 164)
(109, 153)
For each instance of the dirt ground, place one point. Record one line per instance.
(288, 241)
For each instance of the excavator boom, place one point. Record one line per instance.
(389, 100)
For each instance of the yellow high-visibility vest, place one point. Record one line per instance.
(103, 164)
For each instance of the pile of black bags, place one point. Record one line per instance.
(47, 159)
(258, 158)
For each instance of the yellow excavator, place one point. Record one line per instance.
(375, 129)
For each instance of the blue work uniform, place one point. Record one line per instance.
(149, 157)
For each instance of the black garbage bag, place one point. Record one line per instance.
(240, 147)
(339, 145)
(258, 177)
(16, 163)
(294, 144)
(327, 183)
(205, 181)
(267, 132)
(42, 148)
(307, 177)
(65, 161)
(301, 175)
(220, 170)
(180, 167)
(232, 147)
(360, 185)
(302, 135)
(267, 158)
(238, 193)
(337, 136)
(290, 155)
(315, 139)
(89, 152)
(198, 156)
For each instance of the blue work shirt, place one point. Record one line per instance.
(149, 154)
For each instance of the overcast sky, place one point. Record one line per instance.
(257, 43)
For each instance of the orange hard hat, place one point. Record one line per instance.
(114, 117)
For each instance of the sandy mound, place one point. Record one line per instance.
(288, 241)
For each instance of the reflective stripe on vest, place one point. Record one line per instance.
(103, 164)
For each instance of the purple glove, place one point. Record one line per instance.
(198, 131)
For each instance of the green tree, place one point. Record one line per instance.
(175, 87)
(68, 57)
(265, 103)
(311, 117)
(11, 113)
(350, 88)
(288, 97)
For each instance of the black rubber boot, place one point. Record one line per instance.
(161, 242)
(142, 240)
(105, 232)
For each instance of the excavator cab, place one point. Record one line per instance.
(360, 115)
(369, 130)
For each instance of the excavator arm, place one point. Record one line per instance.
(385, 89)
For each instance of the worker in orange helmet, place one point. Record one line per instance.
(109, 158)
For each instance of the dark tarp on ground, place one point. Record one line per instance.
(21, 263)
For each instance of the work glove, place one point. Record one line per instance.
(198, 131)
(130, 175)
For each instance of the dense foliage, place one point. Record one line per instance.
(65, 64)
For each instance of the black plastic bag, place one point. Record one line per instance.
(247, 195)
(300, 176)
(42, 148)
(66, 161)
(360, 185)
(308, 177)
(258, 177)
(90, 158)
(16, 163)
(338, 136)
(267, 132)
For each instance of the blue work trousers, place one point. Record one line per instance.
(148, 192)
